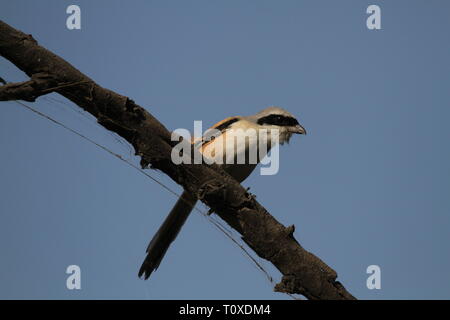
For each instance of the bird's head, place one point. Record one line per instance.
(278, 118)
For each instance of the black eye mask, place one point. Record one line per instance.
(278, 120)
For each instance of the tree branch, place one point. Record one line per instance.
(303, 272)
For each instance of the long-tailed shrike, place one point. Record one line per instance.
(266, 120)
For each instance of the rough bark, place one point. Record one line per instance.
(303, 272)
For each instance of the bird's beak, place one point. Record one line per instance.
(297, 129)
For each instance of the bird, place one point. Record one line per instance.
(271, 119)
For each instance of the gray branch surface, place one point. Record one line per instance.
(303, 272)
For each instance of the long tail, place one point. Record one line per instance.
(167, 234)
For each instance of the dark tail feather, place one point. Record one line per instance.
(167, 233)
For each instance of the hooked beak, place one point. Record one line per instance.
(297, 129)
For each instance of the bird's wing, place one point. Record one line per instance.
(221, 126)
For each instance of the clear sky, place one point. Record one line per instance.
(368, 185)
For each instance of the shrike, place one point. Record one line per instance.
(270, 120)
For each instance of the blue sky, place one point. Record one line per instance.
(368, 185)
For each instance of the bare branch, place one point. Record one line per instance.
(27, 90)
(303, 272)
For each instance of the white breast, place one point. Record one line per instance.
(239, 149)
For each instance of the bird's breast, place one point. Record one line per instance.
(238, 151)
